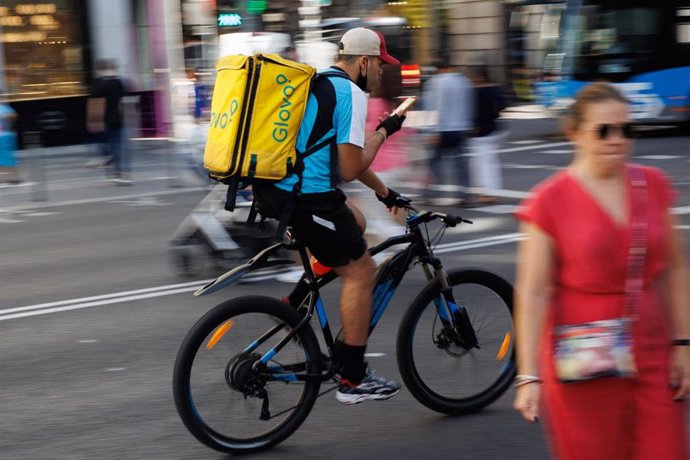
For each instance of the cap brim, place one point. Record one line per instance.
(388, 59)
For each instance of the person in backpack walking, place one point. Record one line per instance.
(323, 219)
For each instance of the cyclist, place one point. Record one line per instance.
(330, 227)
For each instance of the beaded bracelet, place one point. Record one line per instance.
(681, 342)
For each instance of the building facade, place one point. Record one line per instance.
(48, 51)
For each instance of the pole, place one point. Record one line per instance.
(37, 173)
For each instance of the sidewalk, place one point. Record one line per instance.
(58, 176)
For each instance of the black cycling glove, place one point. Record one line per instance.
(392, 124)
(393, 199)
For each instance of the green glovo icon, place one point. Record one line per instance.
(223, 119)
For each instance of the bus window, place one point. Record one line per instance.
(614, 43)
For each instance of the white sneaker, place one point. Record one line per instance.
(372, 387)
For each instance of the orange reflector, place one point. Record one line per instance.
(219, 333)
(504, 347)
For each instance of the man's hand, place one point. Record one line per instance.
(393, 199)
(391, 124)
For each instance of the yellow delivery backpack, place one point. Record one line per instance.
(256, 111)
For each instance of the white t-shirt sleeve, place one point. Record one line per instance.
(351, 118)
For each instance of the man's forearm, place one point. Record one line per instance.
(371, 148)
(371, 180)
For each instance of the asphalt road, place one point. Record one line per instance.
(91, 318)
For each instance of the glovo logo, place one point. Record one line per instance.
(223, 119)
(280, 124)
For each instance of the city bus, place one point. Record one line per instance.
(641, 46)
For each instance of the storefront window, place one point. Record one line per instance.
(41, 46)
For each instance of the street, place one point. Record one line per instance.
(91, 315)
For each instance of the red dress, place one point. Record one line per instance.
(607, 418)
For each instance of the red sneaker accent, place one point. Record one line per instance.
(347, 382)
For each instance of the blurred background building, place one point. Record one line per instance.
(48, 48)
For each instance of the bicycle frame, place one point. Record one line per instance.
(389, 276)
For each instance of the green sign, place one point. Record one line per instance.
(256, 6)
(229, 20)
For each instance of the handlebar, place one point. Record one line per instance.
(423, 217)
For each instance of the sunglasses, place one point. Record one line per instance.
(605, 130)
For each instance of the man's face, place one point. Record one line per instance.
(372, 68)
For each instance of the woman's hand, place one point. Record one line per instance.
(527, 399)
(679, 377)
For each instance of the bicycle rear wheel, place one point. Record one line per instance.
(438, 371)
(225, 396)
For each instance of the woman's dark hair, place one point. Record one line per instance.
(590, 94)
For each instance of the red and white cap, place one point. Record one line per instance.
(365, 42)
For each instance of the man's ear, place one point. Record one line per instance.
(364, 64)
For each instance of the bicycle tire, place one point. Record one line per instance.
(199, 414)
(453, 401)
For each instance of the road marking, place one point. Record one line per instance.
(142, 201)
(184, 288)
(555, 152)
(88, 341)
(499, 209)
(39, 214)
(115, 369)
(534, 147)
(9, 220)
(660, 157)
(680, 211)
(21, 184)
(524, 166)
(526, 141)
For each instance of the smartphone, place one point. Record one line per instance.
(405, 106)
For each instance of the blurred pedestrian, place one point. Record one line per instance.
(110, 88)
(485, 163)
(601, 245)
(8, 142)
(391, 162)
(449, 94)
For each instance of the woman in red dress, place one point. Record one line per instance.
(572, 268)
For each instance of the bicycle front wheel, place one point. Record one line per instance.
(441, 373)
(227, 397)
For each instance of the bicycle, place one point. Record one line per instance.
(249, 371)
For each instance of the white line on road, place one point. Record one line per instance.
(172, 289)
(534, 147)
(192, 285)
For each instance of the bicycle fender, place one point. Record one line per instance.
(233, 276)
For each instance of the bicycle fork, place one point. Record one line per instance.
(457, 326)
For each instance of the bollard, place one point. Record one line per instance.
(37, 173)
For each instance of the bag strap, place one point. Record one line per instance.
(634, 283)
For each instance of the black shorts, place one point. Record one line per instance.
(322, 221)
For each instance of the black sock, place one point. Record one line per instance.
(353, 362)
